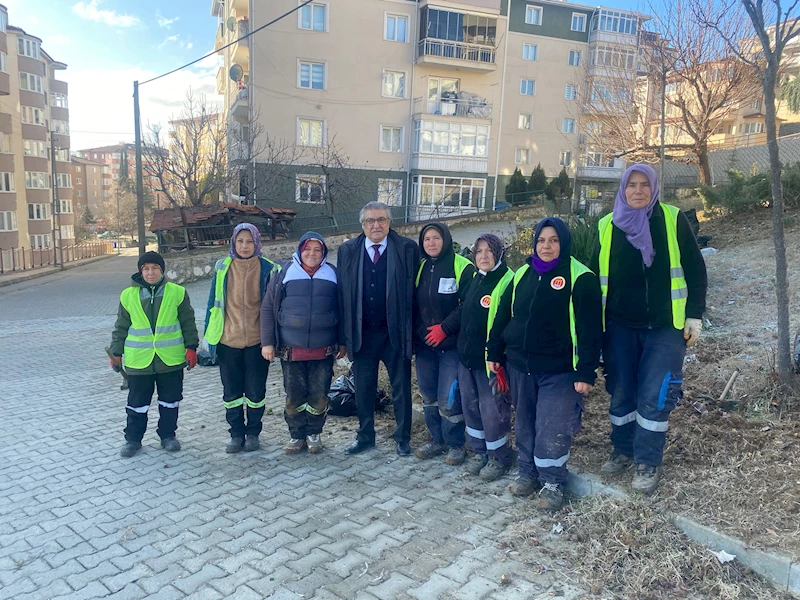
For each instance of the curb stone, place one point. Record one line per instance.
(779, 569)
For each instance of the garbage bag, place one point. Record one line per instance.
(206, 359)
(342, 397)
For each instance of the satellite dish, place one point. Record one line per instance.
(236, 72)
(231, 23)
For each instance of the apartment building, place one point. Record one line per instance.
(434, 104)
(91, 185)
(34, 116)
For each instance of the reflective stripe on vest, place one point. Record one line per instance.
(678, 290)
(460, 263)
(141, 343)
(216, 319)
(494, 304)
(576, 269)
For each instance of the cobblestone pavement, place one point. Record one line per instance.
(77, 521)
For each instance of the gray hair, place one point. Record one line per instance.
(375, 205)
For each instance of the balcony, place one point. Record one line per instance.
(464, 164)
(239, 103)
(219, 41)
(461, 104)
(242, 7)
(222, 80)
(457, 55)
(240, 51)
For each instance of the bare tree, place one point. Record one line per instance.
(773, 26)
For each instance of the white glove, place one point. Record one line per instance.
(691, 330)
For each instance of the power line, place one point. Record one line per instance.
(212, 53)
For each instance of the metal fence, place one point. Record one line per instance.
(25, 259)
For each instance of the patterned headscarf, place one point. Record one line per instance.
(495, 245)
(256, 238)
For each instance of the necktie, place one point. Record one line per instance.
(376, 249)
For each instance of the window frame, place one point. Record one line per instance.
(481, 134)
(38, 144)
(312, 120)
(384, 127)
(527, 45)
(390, 15)
(311, 7)
(41, 241)
(305, 178)
(8, 182)
(69, 230)
(568, 125)
(3, 62)
(399, 195)
(533, 9)
(31, 77)
(384, 72)
(570, 87)
(39, 211)
(580, 16)
(55, 96)
(523, 82)
(40, 176)
(518, 153)
(565, 154)
(570, 54)
(8, 218)
(311, 64)
(22, 51)
(32, 111)
(529, 119)
(65, 202)
(64, 177)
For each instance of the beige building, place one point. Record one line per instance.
(34, 117)
(434, 104)
(91, 185)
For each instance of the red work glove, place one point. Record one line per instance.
(116, 363)
(500, 384)
(436, 335)
(191, 358)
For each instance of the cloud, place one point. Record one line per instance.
(163, 21)
(168, 40)
(92, 12)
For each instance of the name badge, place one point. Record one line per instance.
(448, 285)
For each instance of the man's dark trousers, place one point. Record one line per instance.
(140, 394)
(376, 347)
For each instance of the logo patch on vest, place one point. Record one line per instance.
(558, 283)
(486, 301)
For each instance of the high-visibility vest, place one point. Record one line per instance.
(142, 344)
(678, 290)
(460, 263)
(576, 269)
(216, 319)
(494, 303)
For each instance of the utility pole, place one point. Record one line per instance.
(139, 183)
(663, 120)
(56, 203)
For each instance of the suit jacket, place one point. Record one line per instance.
(402, 265)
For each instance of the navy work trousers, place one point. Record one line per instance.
(437, 376)
(487, 417)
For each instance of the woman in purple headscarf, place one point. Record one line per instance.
(233, 331)
(653, 284)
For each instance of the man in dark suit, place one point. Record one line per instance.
(376, 274)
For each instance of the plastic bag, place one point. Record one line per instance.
(342, 397)
(206, 359)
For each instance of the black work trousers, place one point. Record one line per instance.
(244, 386)
(306, 383)
(376, 347)
(140, 394)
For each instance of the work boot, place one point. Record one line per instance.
(475, 464)
(551, 497)
(646, 478)
(493, 470)
(171, 444)
(129, 449)
(235, 445)
(251, 443)
(429, 450)
(455, 456)
(314, 443)
(524, 486)
(294, 446)
(616, 463)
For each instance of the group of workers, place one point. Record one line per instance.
(485, 337)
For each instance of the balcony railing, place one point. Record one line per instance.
(468, 53)
(464, 105)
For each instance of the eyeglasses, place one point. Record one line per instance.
(380, 221)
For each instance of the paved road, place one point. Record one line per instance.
(76, 521)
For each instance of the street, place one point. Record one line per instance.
(78, 521)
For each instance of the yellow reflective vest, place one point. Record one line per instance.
(460, 263)
(496, 295)
(142, 343)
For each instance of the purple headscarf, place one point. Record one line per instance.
(635, 222)
(256, 238)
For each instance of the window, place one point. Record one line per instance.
(594, 128)
(748, 128)
(311, 132)
(574, 59)
(567, 125)
(32, 116)
(394, 84)
(613, 57)
(40, 241)
(522, 156)
(106, 182)
(670, 88)
(94, 170)
(527, 87)
(530, 51)
(454, 139)
(311, 76)
(62, 154)
(64, 180)
(67, 232)
(310, 188)
(533, 15)
(578, 22)
(3, 18)
(570, 92)
(617, 22)
(313, 17)
(58, 100)
(34, 148)
(390, 191)
(525, 121)
(391, 139)
(31, 82)
(61, 127)
(396, 28)
(609, 94)
(5, 143)
(448, 191)
(28, 48)
(37, 181)
(756, 105)
(8, 221)
(38, 212)
(80, 193)
(598, 159)
(7, 182)
(565, 158)
(3, 62)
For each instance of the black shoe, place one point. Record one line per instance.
(358, 446)
(235, 445)
(403, 449)
(251, 443)
(171, 444)
(129, 449)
